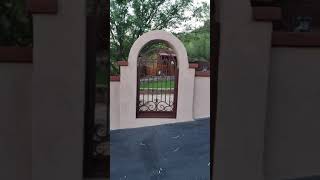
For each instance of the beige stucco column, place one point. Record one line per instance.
(245, 51)
(58, 92)
(128, 83)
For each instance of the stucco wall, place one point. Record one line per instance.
(201, 107)
(15, 122)
(114, 105)
(58, 92)
(242, 92)
(128, 85)
(292, 130)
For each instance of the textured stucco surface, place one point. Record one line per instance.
(15, 121)
(114, 105)
(292, 130)
(242, 92)
(268, 100)
(128, 85)
(58, 92)
(201, 107)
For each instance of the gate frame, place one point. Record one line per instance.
(160, 114)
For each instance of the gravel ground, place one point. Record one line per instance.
(167, 152)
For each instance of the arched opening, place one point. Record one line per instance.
(157, 81)
(129, 84)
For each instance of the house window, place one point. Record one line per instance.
(299, 16)
(16, 24)
(16, 36)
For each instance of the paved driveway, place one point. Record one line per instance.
(170, 152)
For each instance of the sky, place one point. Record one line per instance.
(194, 23)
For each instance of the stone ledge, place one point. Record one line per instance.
(42, 6)
(16, 55)
(122, 63)
(264, 3)
(267, 13)
(115, 78)
(295, 39)
(202, 74)
(193, 65)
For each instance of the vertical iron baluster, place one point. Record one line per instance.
(158, 78)
(145, 81)
(171, 84)
(149, 79)
(139, 81)
(142, 82)
(165, 79)
(149, 84)
(161, 77)
(141, 67)
(152, 84)
(173, 81)
(169, 79)
(156, 93)
(138, 90)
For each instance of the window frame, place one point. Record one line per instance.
(270, 10)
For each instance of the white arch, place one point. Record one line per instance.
(169, 38)
(128, 83)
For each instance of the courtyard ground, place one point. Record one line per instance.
(178, 151)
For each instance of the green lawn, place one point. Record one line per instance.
(157, 84)
(101, 80)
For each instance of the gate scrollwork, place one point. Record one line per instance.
(157, 84)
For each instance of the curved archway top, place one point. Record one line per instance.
(167, 37)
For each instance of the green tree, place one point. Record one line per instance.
(15, 25)
(131, 18)
(202, 13)
(197, 42)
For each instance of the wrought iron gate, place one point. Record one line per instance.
(157, 86)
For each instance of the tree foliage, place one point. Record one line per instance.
(197, 42)
(131, 18)
(15, 25)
